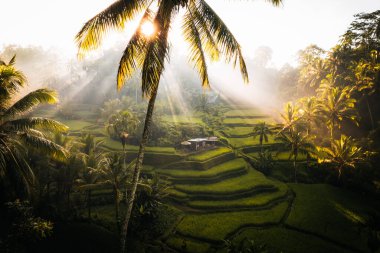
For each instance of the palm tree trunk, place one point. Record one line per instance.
(370, 113)
(136, 173)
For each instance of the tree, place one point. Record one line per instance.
(296, 143)
(203, 29)
(262, 130)
(308, 111)
(344, 153)
(17, 132)
(335, 105)
(121, 123)
(313, 68)
(290, 118)
(114, 173)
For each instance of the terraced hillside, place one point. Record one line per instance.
(224, 201)
(217, 192)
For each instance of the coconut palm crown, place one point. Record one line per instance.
(19, 132)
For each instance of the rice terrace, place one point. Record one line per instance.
(170, 126)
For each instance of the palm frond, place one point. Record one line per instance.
(225, 40)
(43, 144)
(113, 17)
(197, 56)
(35, 122)
(134, 54)
(28, 102)
(157, 49)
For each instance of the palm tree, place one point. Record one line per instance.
(344, 153)
(203, 29)
(297, 143)
(89, 179)
(113, 172)
(308, 111)
(17, 132)
(290, 118)
(335, 105)
(262, 130)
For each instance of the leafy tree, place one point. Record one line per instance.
(290, 118)
(18, 132)
(313, 68)
(296, 143)
(308, 111)
(335, 105)
(114, 172)
(344, 153)
(262, 130)
(89, 177)
(203, 30)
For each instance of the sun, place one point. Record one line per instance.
(147, 28)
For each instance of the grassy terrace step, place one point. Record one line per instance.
(180, 173)
(209, 154)
(247, 121)
(183, 197)
(279, 239)
(250, 181)
(183, 244)
(203, 165)
(281, 156)
(263, 199)
(215, 227)
(333, 213)
(116, 146)
(249, 141)
(238, 132)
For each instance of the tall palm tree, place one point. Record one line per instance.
(344, 153)
(114, 172)
(203, 29)
(262, 130)
(18, 132)
(89, 179)
(308, 111)
(335, 105)
(297, 143)
(290, 118)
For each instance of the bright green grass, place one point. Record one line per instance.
(249, 141)
(206, 155)
(332, 212)
(181, 119)
(244, 112)
(239, 130)
(245, 182)
(231, 165)
(116, 145)
(252, 201)
(282, 156)
(187, 245)
(216, 226)
(248, 121)
(278, 239)
(75, 125)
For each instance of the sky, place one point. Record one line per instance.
(286, 29)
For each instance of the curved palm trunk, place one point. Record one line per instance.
(136, 173)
